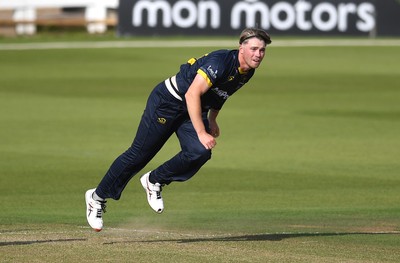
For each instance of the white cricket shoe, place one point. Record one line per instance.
(94, 211)
(153, 192)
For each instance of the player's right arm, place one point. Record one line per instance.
(198, 87)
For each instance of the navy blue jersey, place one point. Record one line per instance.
(221, 71)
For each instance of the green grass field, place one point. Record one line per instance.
(306, 169)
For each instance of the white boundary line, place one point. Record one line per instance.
(159, 43)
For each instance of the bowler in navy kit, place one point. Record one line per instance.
(186, 104)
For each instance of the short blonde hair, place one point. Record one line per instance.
(251, 32)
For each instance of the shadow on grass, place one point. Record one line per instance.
(242, 238)
(29, 242)
(259, 237)
(271, 237)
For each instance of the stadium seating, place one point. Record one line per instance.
(25, 16)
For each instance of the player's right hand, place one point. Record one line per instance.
(207, 140)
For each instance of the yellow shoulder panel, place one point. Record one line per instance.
(204, 75)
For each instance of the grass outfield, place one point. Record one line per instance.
(306, 168)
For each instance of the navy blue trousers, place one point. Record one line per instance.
(163, 116)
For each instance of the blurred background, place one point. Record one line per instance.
(369, 18)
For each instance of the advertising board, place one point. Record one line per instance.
(302, 17)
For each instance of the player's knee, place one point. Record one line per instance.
(198, 156)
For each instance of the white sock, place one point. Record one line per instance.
(97, 198)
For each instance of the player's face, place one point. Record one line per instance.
(252, 53)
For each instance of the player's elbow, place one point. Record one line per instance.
(190, 96)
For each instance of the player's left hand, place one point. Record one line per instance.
(214, 128)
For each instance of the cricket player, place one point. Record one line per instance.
(186, 104)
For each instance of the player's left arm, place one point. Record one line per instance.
(212, 119)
